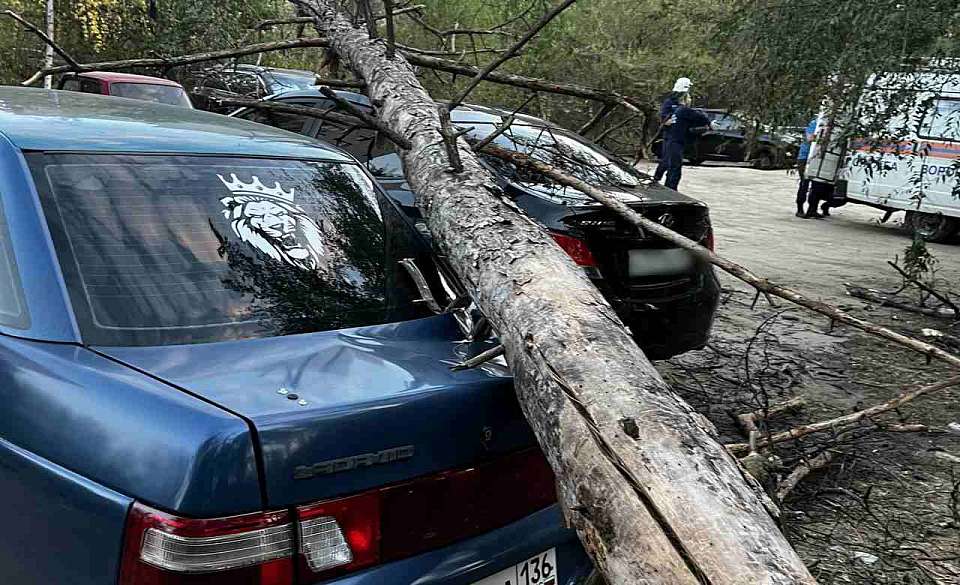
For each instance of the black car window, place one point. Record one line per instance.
(90, 85)
(176, 249)
(70, 83)
(286, 121)
(383, 160)
(13, 307)
(557, 148)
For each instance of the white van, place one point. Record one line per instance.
(911, 162)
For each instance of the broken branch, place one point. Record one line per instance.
(43, 36)
(801, 471)
(846, 420)
(509, 53)
(364, 117)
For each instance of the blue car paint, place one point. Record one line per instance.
(61, 527)
(363, 387)
(125, 430)
(84, 435)
(50, 317)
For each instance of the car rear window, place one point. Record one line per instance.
(161, 94)
(174, 249)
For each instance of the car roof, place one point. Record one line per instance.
(115, 77)
(55, 120)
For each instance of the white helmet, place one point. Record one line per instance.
(682, 85)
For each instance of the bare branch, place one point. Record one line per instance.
(426, 296)
(288, 108)
(849, 419)
(924, 287)
(479, 359)
(509, 53)
(270, 23)
(450, 135)
(803, 470)
(616, 127)
(888, 301)
(503, 127)
(43, 36)
(366, 118)
(531, 83)
(344, 83)
(181, 60)
(391, 34)
(597, 118)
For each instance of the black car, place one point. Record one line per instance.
(726, 141)
(663, 293)
(209, 85)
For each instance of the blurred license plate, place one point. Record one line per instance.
(537, 570)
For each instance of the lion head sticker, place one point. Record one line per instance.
(269, 220)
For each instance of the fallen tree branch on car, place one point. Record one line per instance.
(366, 118)
(652, 494)
(760, 284)
(181, 60)
(287, 108)
(854, 418)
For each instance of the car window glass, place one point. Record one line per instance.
(90, 86)
(286, 121)
(942, 120)
(383, 159)
(70, 84)
(161, 94)
(164, 249)
(13, 307)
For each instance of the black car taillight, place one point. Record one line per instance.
(336, 536)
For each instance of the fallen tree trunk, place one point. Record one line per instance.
(641, 476)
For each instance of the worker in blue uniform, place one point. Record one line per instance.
(667, 111)
(685, 119)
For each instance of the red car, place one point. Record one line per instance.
(128, 85)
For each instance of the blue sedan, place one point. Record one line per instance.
(218, 367)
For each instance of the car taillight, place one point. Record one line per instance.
(576, 249)
(340, 535)
(337, 536)
(162, 549)
(708, 241)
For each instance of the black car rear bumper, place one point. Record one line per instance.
(672, 318)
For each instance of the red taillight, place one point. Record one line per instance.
(336, 536)
(707, 241)
(340, 535)
(161, 549)
(576, 249)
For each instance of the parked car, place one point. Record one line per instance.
(663, 293)
(216, 371)
(727, 142)
(210, 84)
(139, 87)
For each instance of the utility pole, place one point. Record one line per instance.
(48, 53)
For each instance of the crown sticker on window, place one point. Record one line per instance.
(269, 220)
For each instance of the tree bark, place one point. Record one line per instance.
(641, 476)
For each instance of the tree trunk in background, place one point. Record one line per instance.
(48, 49)
(652, 494)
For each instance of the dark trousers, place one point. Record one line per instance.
(804, 187)
(671, 164)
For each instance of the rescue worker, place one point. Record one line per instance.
(667, 111)
(684, 119)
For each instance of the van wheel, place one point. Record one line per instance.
(932, 227)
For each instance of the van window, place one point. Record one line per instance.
(942, 121)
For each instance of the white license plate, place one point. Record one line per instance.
(540, 569)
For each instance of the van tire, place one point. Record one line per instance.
(932, 227)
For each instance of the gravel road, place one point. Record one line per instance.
(753, 219)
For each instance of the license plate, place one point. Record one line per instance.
(539, 569)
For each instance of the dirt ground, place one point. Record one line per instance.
(887, 509)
